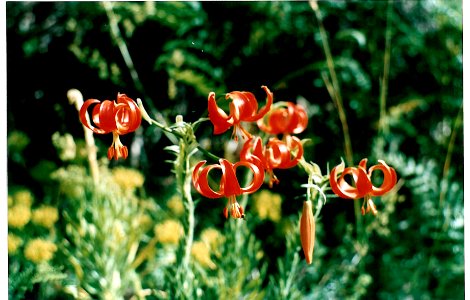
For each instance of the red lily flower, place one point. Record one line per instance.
(363, 186)
(228, 186)
(276, 154)
(120, 117)
(285, 117)
(243, 108)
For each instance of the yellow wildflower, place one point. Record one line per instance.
(268, 205)
(14, 242)
(144, 221)
(10, 200)
(39, 250)
(175, 204)
(212, 238)
(169, 232)
(19, 216)
(45, 216)
(128, 179)
(201, 253)
(23, 197)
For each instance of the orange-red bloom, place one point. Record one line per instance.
(243, 108)
(362, 185)
(120, 117)
(228, 186)
(284, 117)
(276, 154)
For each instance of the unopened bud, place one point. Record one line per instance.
(307, 231)
(179, 119)
(143, 112)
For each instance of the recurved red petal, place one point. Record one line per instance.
(256, 168)
(266, 108)
(243, 106)
(293, 144)
(128, 116)
(343, 189)
(217, 116)
(86, 121)
(299, 120)
(107, 115)
(389, 180)
(280, 119)
(363, 163)
(276, 153)
(254, 147)
(200, 180)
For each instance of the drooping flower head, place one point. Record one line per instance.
(285, 118)
(277, 154)
(362, 186)
(119, 117)
(243, 108)
(228, 185)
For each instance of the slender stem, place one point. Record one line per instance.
(286, 290)
(342, 117)
(117, 37)
(384, 82)
(116, 33)
(334, 90)
(450, 150)
(186, 192)
(335, 94)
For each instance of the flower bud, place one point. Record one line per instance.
(307, 231)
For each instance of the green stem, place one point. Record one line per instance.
(290, 278)
(335, 94)
(384, 82)
(335, 91)
(186, 193)
(116, 33)
(450, 150)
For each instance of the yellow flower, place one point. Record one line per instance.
(128, 179)
(45, 216)
(13, 243)
(212, 238)
(169, 232)
(23, 197)
(268, 205)
(10, 200)
(39, 250)
(201, 253)
(144, 222)
(19, 216)
(175, 204)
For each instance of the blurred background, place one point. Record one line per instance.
(399, 71)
